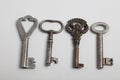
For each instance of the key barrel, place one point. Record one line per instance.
(76, 55)
(26, 62)
(100, 51)
(49, 48)
(24, 54)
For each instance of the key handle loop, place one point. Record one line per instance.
(102, 24)
(20, 28)
(77, 25)
(51, 21)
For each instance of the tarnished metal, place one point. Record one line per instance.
(26, 62)
(49, 58)
(100, 60)
(76, 27)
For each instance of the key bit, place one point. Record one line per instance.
(31, 63)
(108, 61)
(76, 27)
(55, 60)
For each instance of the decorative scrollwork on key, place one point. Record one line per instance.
(76, 27)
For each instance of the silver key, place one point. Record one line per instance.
(100, 60)
(26, 62)
(49, 58)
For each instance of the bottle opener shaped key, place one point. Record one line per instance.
(26, 62)
(76, 27)
(100, 60)
(49, 58)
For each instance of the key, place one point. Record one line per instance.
(100, 60)
(76, 27)
(49, 58)
(26, 62)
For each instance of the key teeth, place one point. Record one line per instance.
(55, 60)
(31, 63)
(108, 61)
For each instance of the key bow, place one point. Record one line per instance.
(76, 27)
(20, 28)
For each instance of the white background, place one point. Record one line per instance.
(91, 10)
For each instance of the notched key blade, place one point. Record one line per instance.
(108, 61)
(55, 60)
(31, 63)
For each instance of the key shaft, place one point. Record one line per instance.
(76, 55)
(49, 48)
(24, 56)
(100, 50)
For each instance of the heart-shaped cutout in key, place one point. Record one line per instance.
(21, 30)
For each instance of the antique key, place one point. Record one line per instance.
(76, 27)
(26, 62)
(100, 60)
(49, 58)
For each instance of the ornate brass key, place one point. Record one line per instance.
(76, 27)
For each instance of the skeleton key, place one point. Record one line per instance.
(76, 27)
(100, 60)
(49, 58)
(26, 62)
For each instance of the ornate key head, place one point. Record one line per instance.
(20, 27)
(76, 27)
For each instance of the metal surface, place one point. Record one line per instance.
(26, 62)
(49, 58)
(76, 27)
(100, 60)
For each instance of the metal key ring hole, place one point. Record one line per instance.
(51, 21)
(27, 24)
(100, 24)
(22, 30)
